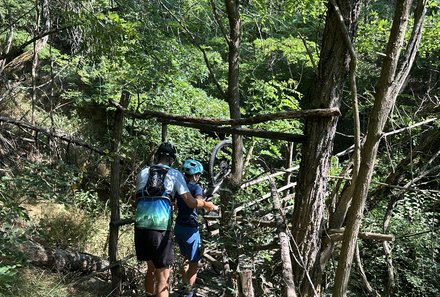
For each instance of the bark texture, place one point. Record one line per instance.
(233, 181)
(115, 195)
(316, 151)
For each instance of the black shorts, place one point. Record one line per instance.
(156, 246)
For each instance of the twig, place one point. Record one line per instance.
(409, 189)
(309, 53)
(409, 127)
(218, 20)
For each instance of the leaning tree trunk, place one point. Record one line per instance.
(316, 152)
(389, 85)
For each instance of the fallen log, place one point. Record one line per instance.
(62, 260)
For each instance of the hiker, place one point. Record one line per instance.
(156, 188)
(186, 229)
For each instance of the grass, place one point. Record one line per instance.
(36, 282)
(68, 228)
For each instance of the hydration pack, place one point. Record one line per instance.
(155, 184)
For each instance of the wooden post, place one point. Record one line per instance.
(288, 164)
(246, 289)
(115, 194)
(164, 132)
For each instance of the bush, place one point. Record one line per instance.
(65, 228)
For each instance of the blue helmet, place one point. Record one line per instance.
(191, 167)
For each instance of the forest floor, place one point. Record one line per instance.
(209, 284)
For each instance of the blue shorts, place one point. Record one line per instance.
(189, 242)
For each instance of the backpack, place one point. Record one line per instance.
(155, 186)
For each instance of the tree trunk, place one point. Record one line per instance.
(115, 195)
(62, 260)
(316, 152)
(233, 181)
(384, 101)
(233, 93)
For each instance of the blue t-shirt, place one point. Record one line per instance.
(188, 216)
(155, 212)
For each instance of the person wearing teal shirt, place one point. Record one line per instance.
(156, 188)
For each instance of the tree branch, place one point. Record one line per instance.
(15, 53)
(286, 261)
(409, 127)
(412, 46)
(55, 134)
(338, 234)
(365, 281)
(218, 20)
(240, 131)
(165, 117)
(353, 86)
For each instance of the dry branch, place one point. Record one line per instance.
(293, 114)
(409, 127)
(241, 131)
(289, 289)
(266, 177)
(337, 235)
(49, 133)
(264, 197)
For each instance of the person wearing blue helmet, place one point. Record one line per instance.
(186, 230)
(157, 186)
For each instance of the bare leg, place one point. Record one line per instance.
(189, 273)
(162, 282)
(149, 279)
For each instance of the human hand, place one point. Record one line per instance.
(210, 206)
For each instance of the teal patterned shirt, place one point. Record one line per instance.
(155, 212)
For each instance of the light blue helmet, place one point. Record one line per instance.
(192, 167)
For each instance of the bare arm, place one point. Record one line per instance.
(198, 203)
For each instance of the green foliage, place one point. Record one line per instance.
(282, 95)
(430, 48)
(7, 275)
(10, 12)
(373, 36)
(291, 48)
(13, 221)
(415, 250)
(42, 181)
(88, 201)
